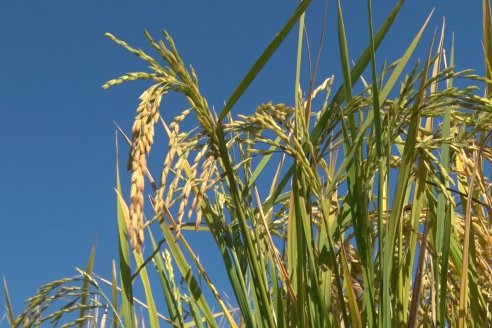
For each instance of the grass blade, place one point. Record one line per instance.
(487, 41)
(125, 271)
(464, 289)
(151, 307)
(8, 303)
(85, 285)
(187, 274)
(443, 218)
(399, 199)
(171, 301)
(356, 72)
(263, 59)
(354, 309)
(258, 282)
(344, 56)
(403, 62)
(114, 294)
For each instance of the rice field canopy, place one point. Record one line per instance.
(365, 202)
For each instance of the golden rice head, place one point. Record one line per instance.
(176, 145)
(205, 182)
(143, 138)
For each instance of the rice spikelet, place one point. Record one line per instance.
(177, 148)
(143, 138)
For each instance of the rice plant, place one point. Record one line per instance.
(378, 213)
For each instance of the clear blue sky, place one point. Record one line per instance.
(57, 158)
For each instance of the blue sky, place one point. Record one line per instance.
(57, 162)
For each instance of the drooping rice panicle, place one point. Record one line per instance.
(142, 140)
